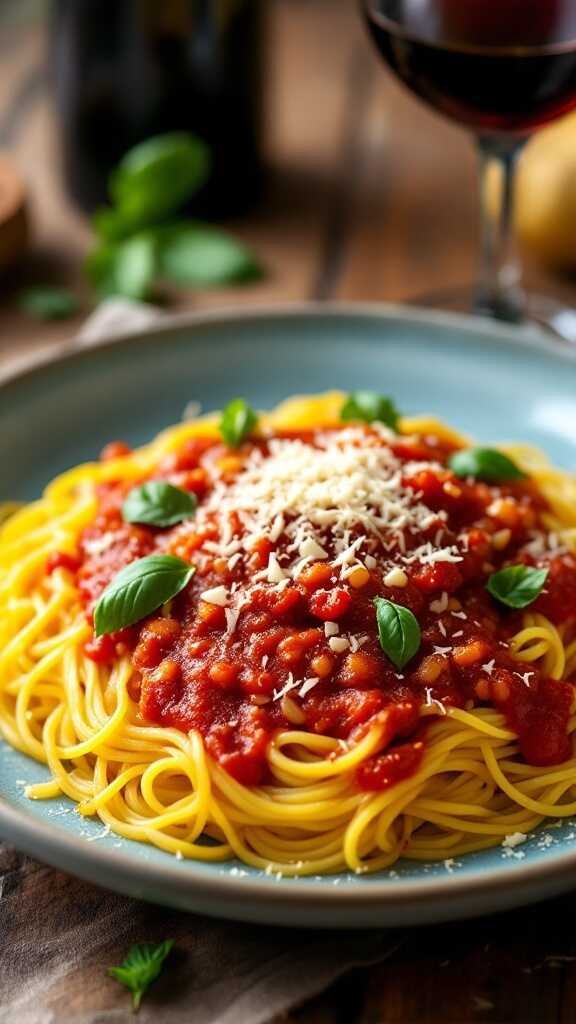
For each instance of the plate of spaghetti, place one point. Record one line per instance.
(306, 659)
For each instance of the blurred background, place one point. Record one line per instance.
(340, 184)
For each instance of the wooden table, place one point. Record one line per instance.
(370, 197)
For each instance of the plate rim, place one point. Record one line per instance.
(23, 828)
(76, 349)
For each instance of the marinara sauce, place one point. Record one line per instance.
(277, 629)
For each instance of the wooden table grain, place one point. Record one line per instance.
(370, 197)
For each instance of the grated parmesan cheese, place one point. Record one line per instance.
(316, 498)
(441, 604)
(348, 556)
(98, 545)
(310, 548)
(513, 840)
(427, 554)
(274, 572)
(217, 595)
(526, 677)
(290, 684)
(232, 616)
(308, 685)
(338, 644)
(433, 702)
(191, 411)
(396, 578)
(277, 528)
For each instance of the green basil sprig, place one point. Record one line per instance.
(237, 423)
(158, 503)
(191, 253)
(518, 585)
(485, 464)
(138, 590)
(158, 175)
(45, 302)
(398, 631)
(370, 407)
(127, 268)
(142, 238)
(142, 965)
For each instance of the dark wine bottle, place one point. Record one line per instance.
(126, 70)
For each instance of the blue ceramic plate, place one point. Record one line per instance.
(491, 382)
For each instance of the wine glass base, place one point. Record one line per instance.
(540, 312)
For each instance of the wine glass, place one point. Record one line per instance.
(502, 69)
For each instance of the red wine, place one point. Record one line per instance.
(493, 65)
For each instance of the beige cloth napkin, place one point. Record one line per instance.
(59, 935)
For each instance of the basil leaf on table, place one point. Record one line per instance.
(127, 268)
(142, 965)
(192, 253)
(158, 176)
(112, 225)
(370, 407)
(45, 302)
(158, 503)
(237, 422)
(485, 464)
(99, 268)
(398, 631)
(140, 589)
(518, 585)
(135, 267)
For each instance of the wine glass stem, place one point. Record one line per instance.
(499, 293)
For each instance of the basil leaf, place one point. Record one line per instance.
(398, 631)
(141, 967)
(112, 225)
(99, 268)
(135, 267)
(48, 303)
(237, 422)
(370, 407)
(139, 589)
(485, 464)
(191, 253)
(156, 177)
(158, 504)
(127, 268)
(518, 585)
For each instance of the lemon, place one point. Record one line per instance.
(545, 213)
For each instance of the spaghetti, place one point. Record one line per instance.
(257, 714)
